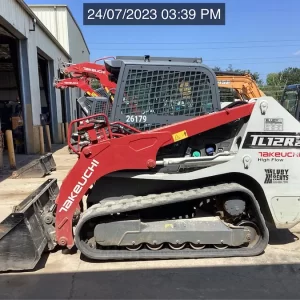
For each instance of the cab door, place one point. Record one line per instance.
(290, 101)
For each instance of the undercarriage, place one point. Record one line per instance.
(213, 221)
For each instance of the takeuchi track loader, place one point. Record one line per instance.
(168, 174)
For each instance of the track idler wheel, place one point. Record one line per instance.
(254, 236)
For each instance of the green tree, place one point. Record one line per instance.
(290, 75)
(276, 82)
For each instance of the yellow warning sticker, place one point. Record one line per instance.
(169, 226)
(181, 135)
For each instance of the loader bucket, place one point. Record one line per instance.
(36, 169)
(24, 234)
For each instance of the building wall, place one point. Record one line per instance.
(58, 17)
(18, 21)
(55, 19)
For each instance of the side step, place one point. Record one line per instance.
(27, 231)
(36, 169)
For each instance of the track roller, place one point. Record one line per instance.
(177, 247)
(154, 247)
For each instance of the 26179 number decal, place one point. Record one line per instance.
(136, 119)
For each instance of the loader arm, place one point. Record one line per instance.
(90, 70)
(137, 151)
(81, 83)
(245, 86)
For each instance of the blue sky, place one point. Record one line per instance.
(260, 35)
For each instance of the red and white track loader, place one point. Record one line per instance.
(169, 174)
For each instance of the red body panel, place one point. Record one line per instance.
(134, 151)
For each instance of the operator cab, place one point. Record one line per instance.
(290, 100)
(157, 91)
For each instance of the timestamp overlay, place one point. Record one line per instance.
(154, 13)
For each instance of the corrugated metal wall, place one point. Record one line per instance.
(78, 49)
(55, 19)
(11, 11)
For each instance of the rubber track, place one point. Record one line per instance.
(142, 202)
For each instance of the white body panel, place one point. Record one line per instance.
(282, 191)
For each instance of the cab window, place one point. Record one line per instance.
(290, 101)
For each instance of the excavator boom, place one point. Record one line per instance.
(244, 84)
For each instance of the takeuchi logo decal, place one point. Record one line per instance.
(93, 70)
(278, 154)
(79, 186)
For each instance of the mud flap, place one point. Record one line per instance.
(29, 230)
(36, 169)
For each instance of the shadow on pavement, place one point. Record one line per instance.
(276, 281)
(282, 237)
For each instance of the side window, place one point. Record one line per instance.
(228, 94)
(290, 101)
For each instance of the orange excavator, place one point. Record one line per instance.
(243, 85)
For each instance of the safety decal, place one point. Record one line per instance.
(273, 124)
(181, 135)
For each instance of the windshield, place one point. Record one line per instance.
(290, 100)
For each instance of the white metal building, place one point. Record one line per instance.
(29, 62)
(62, 24)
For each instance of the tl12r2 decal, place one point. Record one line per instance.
(272, 140)
(276, 176)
